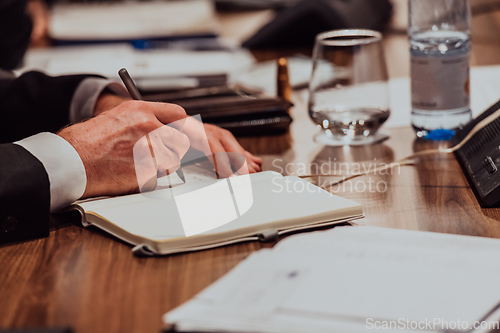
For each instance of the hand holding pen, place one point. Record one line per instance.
(209, 139)
(136, 95)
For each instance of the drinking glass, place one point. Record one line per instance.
(349, 91)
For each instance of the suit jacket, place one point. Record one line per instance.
(24, 195)
(35, 103)
(30, 104)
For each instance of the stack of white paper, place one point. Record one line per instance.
(107, 59)
(351, 279)
(132, 20)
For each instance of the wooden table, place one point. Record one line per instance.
(85, 279)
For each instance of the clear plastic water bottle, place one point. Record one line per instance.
(439, 34)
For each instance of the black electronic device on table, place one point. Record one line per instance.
(480, 158)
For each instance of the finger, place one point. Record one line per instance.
(179, 124)
(145, 166)
(197, 134)
(167, 113)
(254, 167)
(251, 170)
(169, 146)
(239, 163)
(168, 161)
(253, 159)
(256, 159)
(232, 145)
(171, 138)
(223, 165)
(220, 159)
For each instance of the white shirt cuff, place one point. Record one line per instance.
(63, 166)
(86, 95)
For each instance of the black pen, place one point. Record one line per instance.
(135, 94)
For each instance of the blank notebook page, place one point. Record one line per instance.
(273, 198)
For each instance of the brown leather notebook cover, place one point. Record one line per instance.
(242, 115)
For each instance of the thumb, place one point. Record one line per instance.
(167, 113)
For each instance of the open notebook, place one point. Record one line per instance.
(214, 213)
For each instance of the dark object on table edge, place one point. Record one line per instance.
(480, 158)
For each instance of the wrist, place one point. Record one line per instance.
(82, 147)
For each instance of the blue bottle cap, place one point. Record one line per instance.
(440, 135)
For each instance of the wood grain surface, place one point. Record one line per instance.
(90, 281)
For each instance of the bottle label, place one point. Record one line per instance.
(440, 82)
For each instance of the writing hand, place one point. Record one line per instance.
(106, 145)
(219, 140)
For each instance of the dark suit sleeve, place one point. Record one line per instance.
(35, 103)
(24, 195)
(30, 104)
